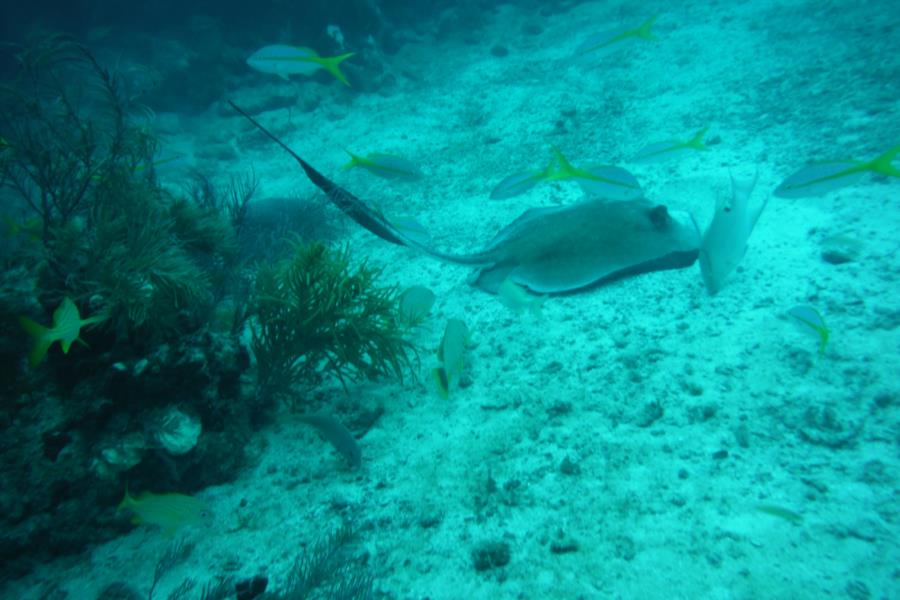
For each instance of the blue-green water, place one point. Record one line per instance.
(675, 377)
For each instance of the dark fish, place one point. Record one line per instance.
(338, 435)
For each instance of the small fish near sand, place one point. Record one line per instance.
(337, 435)
(661, 151)
(451, 355)
(818, 179)
(519, 183)
(614, 39)
(601, 181)
(386, 166)
(811, 322)
(66, 328)
(518, 300)
(169, 512)
(284, 61)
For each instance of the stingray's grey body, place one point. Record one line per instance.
(567, 248)
(550, 250)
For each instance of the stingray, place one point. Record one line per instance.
(553, 250)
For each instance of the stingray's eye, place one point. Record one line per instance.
(659, 216)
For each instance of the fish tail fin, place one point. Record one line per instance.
(41, 340)
(824, 334)
(565, 169)
(331, 63)
(882, 164)
(644, 32)
(696, 142)
(441, 382)
(127, 500)
(93, 320)
(354, 161)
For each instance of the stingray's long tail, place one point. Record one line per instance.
(357, 210)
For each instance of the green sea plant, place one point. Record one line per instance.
(77, 157)
(317, 314)
(66, 124)
(137, 262)
(327, 566)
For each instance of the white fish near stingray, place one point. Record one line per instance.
(724, 242)
(515, 298)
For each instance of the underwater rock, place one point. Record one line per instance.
(840, 249)
(490, 555)
(563, 544)
(248, 589)
(120, 456)
(824, 427)
(178, 432)
(119, 590)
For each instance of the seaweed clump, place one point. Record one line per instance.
(87, 219)
(317, 314)
(78, 170)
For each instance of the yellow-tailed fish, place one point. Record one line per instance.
(810, 321)
(67, 324)
(450, 354)
(386, 166)
(659, 151)
(617, 38)
(169, 512)
(283, 60)
(519, 183)
(820, 178)
(601, 181)
(517, 299)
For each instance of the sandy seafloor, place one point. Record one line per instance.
(750, 416)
